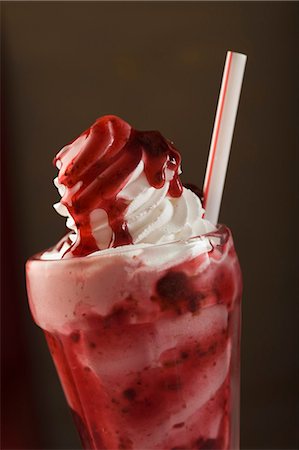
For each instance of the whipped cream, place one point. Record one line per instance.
(150, 214)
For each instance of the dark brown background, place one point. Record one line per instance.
(159, 66)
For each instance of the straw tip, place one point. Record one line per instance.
(238, 54)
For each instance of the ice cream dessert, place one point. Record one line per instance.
(140, 301)
(121, 186)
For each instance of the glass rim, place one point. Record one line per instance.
(222, 234)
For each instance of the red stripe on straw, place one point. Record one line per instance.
(217, 129)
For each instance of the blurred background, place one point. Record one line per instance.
(159, 66)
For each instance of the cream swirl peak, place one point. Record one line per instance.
(121, 186)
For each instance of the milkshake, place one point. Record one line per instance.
(140, 301)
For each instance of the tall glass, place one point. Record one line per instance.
(146, 342)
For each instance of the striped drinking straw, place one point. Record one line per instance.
(222, 134)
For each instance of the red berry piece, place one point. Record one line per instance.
(173, 291)
(173, 286)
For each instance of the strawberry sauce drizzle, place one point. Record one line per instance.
(102, 159)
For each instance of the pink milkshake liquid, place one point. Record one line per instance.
(145, 340)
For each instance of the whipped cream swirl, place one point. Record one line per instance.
(120, 187)
(154, 217)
